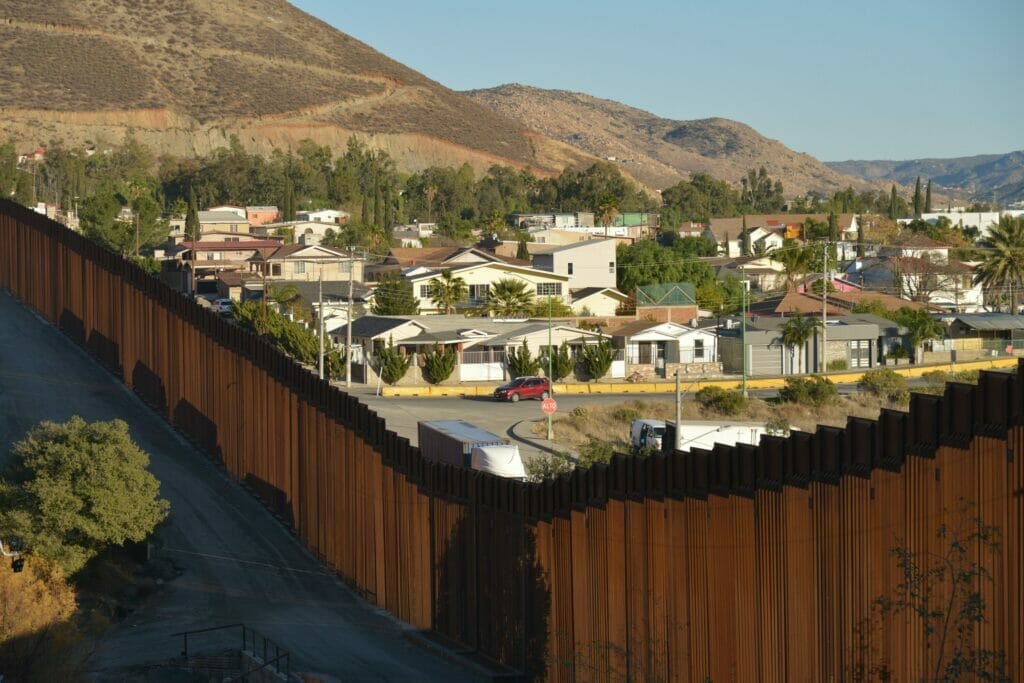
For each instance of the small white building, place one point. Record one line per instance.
(323, 216)
(982, 220)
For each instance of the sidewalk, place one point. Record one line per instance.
(693, 384)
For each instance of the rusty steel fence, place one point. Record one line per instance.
(739, 564)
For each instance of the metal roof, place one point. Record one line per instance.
(992, 321)
(667, 294)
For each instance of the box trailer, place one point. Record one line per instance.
(460, 443)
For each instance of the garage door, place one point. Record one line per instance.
(765, 360)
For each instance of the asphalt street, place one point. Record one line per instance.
(239, 563)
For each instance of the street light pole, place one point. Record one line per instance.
(348, 326)
(551, 383)
(743, 330)
(320, 322)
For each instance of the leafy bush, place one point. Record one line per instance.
(897, 352)
(777, 426)
(562, 363)
(547, 466)
(722, 401)
(812, 390)
(624, 414)
(885, 383)
(579, 411)
(73, 489)
(392, 364)
(439, 363)
(521, 362)
(836, 365)
(935, 383)
(595, 451)
(597, 358)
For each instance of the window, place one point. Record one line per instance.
(478, 292)
(234, 228)
(425, 292)
(570, 269)
(860, 354)
(275, 269)
(549, 288)
(300, 267)
(611, 267)
(698, 349)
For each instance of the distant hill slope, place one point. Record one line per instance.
(183, 76)
(998, 177)
(659, 151)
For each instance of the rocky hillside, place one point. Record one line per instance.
(183, 76)
(988, 177)
(659, 151)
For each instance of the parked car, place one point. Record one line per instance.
(223, 306)
(523, 387)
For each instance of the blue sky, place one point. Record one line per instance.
(899, 79)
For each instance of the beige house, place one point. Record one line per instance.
(306, 262)
(222, 221)
(480, 276)
(598, 301)
(589, 263)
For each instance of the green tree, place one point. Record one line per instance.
(795, 259)
(833, 227)
(596, 359)
(1003, 266)
(521, 362)
(439, 363)
(893, 204)
(561, 362)
(928, 197)
(522, 252)
(392, 363)
(447, 291)
(745, 239)
(918, 202)
(607, 212)
(288, 201)
(509, 298)
(73, 489)
(394, 296)
(797, 331)
(99, 220)
(192, 229)
(760, 194)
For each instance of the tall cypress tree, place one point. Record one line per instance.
(522, 252)
(288, 204)
(892, 202)
(192, 218)
(744, 239)
(860, 238)
(727, 244)
(917, 198)
(928, 197)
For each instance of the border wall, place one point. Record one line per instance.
(741, 564)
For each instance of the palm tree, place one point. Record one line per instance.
(797, 331)
(607, 212)
(1003, 267)
(447, 291)
(509, 298)
(794, 259)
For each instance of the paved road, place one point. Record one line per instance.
(240, 564)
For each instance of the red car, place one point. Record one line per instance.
(523, 387)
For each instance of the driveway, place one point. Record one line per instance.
(240, 564)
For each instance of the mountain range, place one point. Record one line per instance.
(657, 151)
(184, 77)
(989, 177)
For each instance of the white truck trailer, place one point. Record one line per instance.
(460, 443)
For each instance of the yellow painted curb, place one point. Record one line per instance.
(694, 385)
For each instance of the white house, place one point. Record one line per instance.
(588, 263)
(323, 216)
(228, 208)
(982, 220)
(597, 301)
(479, 276)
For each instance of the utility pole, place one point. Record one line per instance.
(348, 327)
(679, 415)
(743, 330)
(822, 365)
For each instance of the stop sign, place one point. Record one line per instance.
(548, 406)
